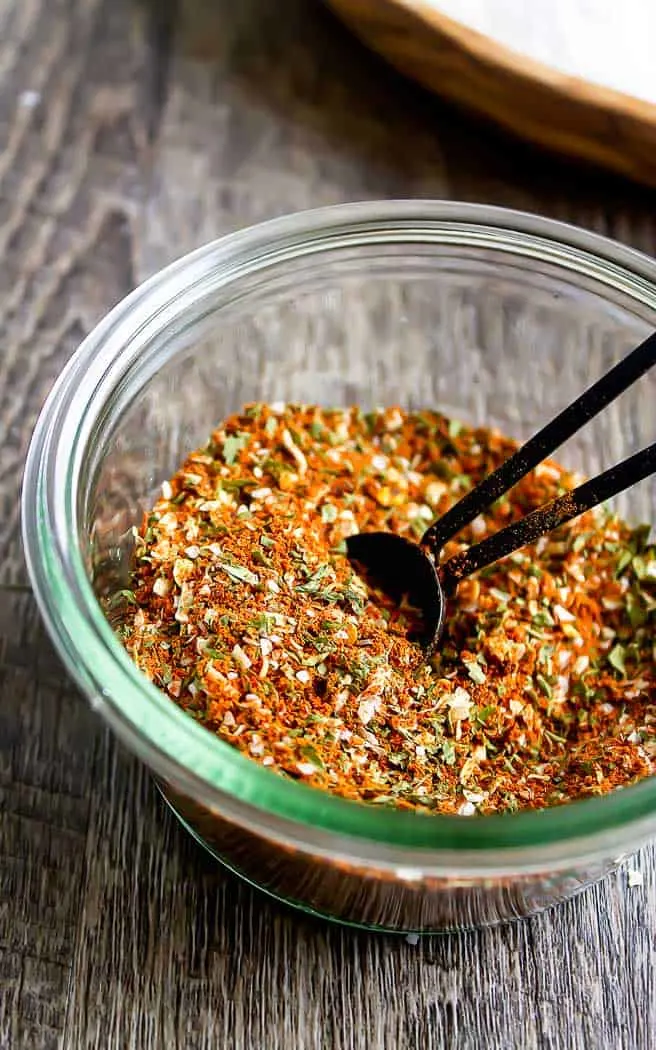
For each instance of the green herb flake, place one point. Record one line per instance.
(239, 573)
(616, 658)
(639, 566)
(309, 754)
(317, 430)
(232, 446)
(265, 622)
(544, 686)
(623, 562)
(455, 428)
(313, 583)
(636, 611)
(448, 753)
(124, 595)
(483, 713)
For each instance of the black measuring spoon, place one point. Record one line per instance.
(401, 567)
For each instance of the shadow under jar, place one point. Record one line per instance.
(491, 316)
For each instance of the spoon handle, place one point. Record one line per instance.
(542, 444)
(545, 519)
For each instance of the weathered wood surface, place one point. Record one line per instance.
(129, 133)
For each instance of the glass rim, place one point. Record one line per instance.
(150, 723)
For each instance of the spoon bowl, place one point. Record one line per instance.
(402, 569)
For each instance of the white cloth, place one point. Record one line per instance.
(608, 42)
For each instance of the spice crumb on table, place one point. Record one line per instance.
(247, 613)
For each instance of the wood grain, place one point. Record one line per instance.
(541, 104)
(156, 127)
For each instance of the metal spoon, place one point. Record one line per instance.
(401, 567)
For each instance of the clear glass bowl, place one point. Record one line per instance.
(494, 316)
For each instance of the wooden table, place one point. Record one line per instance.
(130, 133)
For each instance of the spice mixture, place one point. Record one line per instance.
(245, 610)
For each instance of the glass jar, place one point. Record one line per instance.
(492, 316)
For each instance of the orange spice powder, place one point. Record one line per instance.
(246, 612)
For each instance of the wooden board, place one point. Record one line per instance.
(551, 108)
(129, 134)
